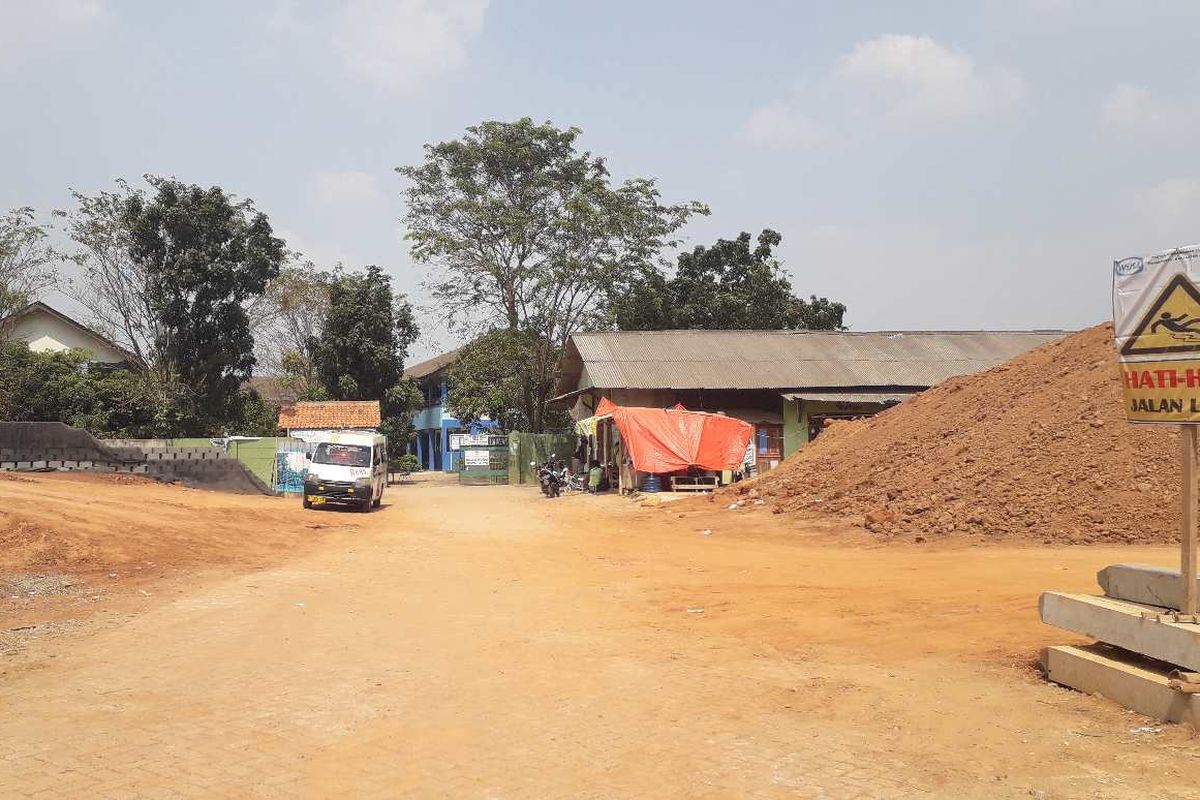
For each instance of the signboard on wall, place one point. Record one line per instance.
(477, 458)
(1156, 316)
(458, 441)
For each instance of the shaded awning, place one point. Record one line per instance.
(877, 398)
(664, 440)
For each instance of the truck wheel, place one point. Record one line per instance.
(366, 506)
(307, 503)
(378, 500)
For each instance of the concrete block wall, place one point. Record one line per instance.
(54, 446)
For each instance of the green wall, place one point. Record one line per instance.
(796, 414)
(258, 455)
(795, 427)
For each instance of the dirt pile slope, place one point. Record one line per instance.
(1032, 449)
(81, 523)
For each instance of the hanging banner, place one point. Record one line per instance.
(1156, 318)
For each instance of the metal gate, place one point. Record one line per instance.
(290, 465)
(483, 460)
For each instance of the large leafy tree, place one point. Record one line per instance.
(362, 346)
(728, 286)
(488, 378)
(204, 255)
(530, 235)
(26, 259)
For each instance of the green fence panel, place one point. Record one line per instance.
(536, 447)
(193, 441)
(472, 472)
(258, 455)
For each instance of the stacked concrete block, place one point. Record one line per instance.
(1142, 642)
(185, 454)
(52, 446)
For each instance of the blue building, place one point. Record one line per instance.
(433, 422)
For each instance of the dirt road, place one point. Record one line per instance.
(487, 643)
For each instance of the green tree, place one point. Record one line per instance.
(727, 286)
(530, 235)
(204, 255)
(489, 376)
(26, 260)
(362, 346)
(63, 387)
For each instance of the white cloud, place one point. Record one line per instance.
(38, 13)
(918, 77)
(323, 254)
(780, 125)
(400, 44)
(30, 23)
(345, 188)
(1130, 107)
(1171, 201)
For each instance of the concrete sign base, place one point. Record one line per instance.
(1135, 683)
(1139, 583)
(1120, 623)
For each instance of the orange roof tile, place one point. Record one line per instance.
(330, 415)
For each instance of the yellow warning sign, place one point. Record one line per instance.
(1161, 391)
(1171, 324)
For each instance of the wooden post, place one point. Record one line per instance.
(1187, 572)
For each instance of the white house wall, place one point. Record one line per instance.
(47, 333)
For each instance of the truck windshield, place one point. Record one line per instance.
(344, 455)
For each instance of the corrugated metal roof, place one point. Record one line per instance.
(850, 397)
(432, 365)
(785, 359)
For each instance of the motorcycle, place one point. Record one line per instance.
(574, 482)
(549, 479)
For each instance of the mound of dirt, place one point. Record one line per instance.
(1035, 448)
(87, 523)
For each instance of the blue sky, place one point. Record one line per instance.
(958, 165)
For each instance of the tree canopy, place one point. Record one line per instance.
(204, 255)
(530, 235)
(287, 322)
(727, 286)
(118, 291)
(169, 274)
(489, 376)
(362, 346)
(26, 259)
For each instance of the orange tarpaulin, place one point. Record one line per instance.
(668, 440)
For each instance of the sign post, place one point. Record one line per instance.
(1187, 565)
(1156, 317)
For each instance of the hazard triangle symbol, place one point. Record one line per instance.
(1172, 323)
